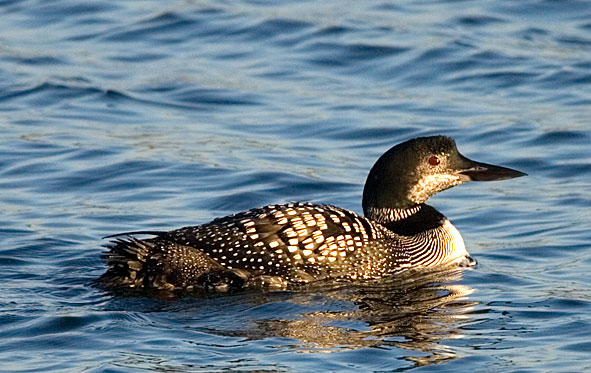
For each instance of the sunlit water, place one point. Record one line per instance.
(121, 116)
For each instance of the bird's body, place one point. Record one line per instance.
(281, 245)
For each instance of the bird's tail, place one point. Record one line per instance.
(164, 265)
(127, 263)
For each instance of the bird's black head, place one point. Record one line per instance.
(411, 172)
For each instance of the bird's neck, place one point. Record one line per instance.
(386, 215)
(409, 221)
(429, 238)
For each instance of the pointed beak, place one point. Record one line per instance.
(477, 171)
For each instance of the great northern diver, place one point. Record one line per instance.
(277, 246)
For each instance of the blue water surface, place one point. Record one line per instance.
(120, 116)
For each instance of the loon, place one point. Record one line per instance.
(278, 246)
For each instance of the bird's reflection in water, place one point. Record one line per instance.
(411, 311)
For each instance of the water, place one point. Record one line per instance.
(136, 115)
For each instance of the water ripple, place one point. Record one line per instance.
(124, 116)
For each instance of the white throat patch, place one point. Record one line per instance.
(431, 184)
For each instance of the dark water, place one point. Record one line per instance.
(119, 116)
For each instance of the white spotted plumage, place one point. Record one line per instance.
(319, 240)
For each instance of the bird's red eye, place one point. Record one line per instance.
(433, 160)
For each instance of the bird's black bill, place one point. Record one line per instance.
(477, 171)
